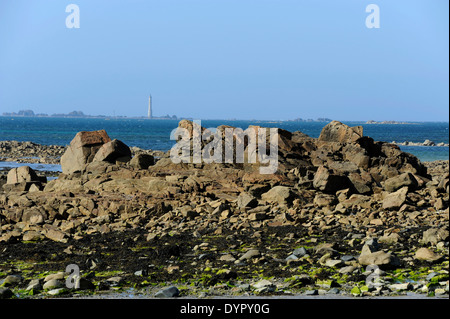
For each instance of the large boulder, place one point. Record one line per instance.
(327, 181)
(22, 174)
(82, 150)
(338, 132)
(395, 183)
(113, 151)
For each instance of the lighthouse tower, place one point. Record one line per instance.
(150, 114)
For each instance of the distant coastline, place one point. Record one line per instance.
(80, 114)
(388, 122)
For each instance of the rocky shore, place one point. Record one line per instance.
(344, 215)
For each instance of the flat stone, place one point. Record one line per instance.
(427, 255)
(58, 275)
(57, 291)
(227, 257)
(252, 253)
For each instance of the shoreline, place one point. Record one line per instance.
(131, 218)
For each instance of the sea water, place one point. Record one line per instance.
(155, 133)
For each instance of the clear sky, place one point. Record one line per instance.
(223, 59)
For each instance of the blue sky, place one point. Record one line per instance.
(222, 59)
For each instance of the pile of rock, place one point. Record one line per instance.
(29, 152)
(340, 183)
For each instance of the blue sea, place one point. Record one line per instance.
(155, 133)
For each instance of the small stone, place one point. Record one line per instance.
(314, 292)
(12, 280)
(264, 284)
(347, 270)
(168, 292)
(34, 284)
(53, 284)
(427, 255)
(300, 252)
(5, 293)
(347, 258)
(58, 275)
(252, 253)
(227, 257)
(333, 263)
(401, 287)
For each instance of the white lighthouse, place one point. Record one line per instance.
(150, 114)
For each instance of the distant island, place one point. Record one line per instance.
(78, 114)
(320, 119)
(387, 122)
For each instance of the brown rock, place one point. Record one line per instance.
(112, 151)
(395, 200)
(22, 174)
(427, 255)
(82, 150)
(142, 161)
(406, 179)
(379, 258)
(338, 132)
(326, 181)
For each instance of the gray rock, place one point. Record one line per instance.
(401, 287)
(314, 292)
(168, 292)
(300, 252)
(264, 286)
(347, 258)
